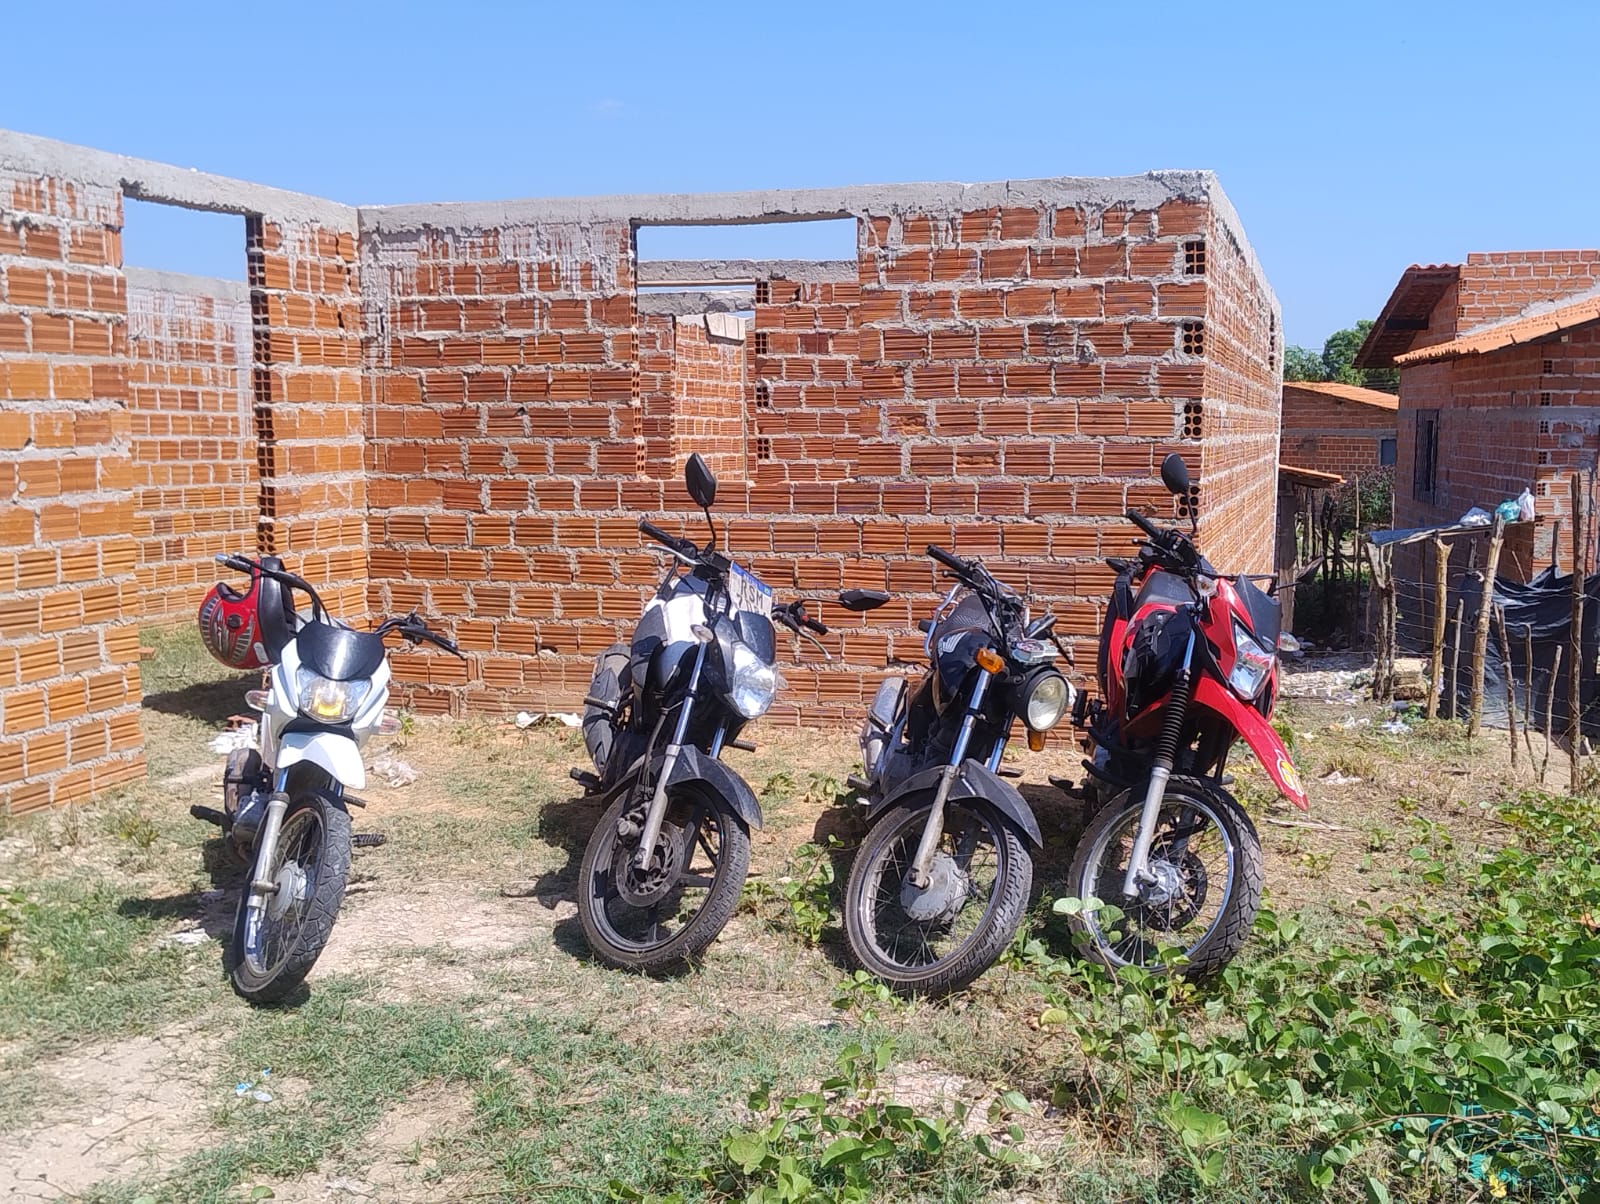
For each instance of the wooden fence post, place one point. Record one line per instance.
(1441, 600)
(1455, 660)
(1480, 635)
(1508, 673)
(1575, 657)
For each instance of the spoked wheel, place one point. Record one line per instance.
(664, 914)
(1205, 859)
(275, 947)
(934, 941)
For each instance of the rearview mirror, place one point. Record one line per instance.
(1175, 474)
(700, 481)
(860, 600)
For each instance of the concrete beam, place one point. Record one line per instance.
(686, 304)
(156, 281)
(701, 272)
(800, 204)
(148, 181)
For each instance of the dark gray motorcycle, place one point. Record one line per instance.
(939, 885)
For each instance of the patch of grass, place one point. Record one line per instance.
(82, 964)
(1352, 762)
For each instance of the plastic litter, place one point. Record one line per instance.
(1396, 727)
(193, 936)
(1338, 779)
(255, 1089)
(1476, 517)
(224, 743)
(1525, 506)
(393, 771)
(526, 719)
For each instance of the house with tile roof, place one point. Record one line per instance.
(1335, 428)
(1499, 361)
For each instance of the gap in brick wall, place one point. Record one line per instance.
(191, 241)
(826, 239)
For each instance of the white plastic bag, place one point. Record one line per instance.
(1476, 517)
(1525, 506)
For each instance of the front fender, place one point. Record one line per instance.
(972, 781)
(1258, 734)
(338, 755)
(695, 766)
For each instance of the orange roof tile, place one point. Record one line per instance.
(1537, 322)
(1309, 476)
(1329, 388)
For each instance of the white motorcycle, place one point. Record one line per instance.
(284, 800)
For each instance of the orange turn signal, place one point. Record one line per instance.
(1035, 741)
(989, 660)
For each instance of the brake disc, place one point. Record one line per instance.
(649, 885)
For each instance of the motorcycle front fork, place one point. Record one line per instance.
(933, 830)
(658, 802)
(1139, 875)
(261, 887)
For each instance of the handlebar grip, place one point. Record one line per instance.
(229, 560)
(1143, 523)
(683, 546)
(814, 625)
(950, 561)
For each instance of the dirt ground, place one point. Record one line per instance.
(470, 904)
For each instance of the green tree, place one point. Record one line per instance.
(1301, 363)
(1337, 361)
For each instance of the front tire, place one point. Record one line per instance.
(1207, 860)
(665, 916)
(939, 940)
(273, 951)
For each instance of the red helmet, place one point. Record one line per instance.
(229, 625)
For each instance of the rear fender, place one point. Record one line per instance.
(972, 781)
(1258, 734)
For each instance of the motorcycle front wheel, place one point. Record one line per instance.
(938, 940)
(274, 948)
(665, 914)
(1205, 858)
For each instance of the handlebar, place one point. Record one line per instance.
(793, 616)
(1144, 524)
(682, 547)
(244, 564)
(950, 561)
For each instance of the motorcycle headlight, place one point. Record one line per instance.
(1253, 665)
(752, 684)
(326, 700)
(1045, 699)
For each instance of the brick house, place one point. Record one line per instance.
(1335, 428)
(1499, 362)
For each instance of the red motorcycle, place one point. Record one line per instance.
(1188, 665)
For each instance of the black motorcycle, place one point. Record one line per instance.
(663, 870)
(939, 885)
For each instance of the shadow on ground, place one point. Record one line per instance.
(206, 701)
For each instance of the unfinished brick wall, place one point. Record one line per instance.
(503, 457)
(1002, 379)
(69, 647)
(1501, 284)
(1328, 433)
(307, 387)
(1231, 395)
(692, 395)
(193, 435)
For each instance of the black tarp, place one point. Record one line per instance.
(1539, 612)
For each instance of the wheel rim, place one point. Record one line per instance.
(917, 932)
(641, 912)
(272, 932)
(1195, 861)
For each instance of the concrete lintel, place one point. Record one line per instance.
(157, 281)
(678, 305)
(697, 272)
(145, 180)
(799, 204)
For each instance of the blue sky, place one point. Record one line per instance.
(1353, 139)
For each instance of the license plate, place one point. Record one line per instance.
(749, 592)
